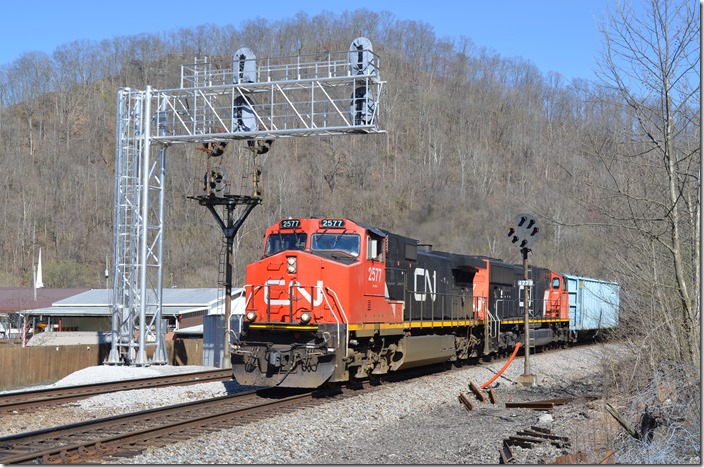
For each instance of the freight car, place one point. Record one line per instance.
(333, 300)
(593, 305)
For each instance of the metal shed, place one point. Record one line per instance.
(92, 310)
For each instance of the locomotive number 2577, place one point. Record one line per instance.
(374, 274)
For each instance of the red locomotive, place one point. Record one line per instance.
(333, 300)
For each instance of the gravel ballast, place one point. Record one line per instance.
(416, 422)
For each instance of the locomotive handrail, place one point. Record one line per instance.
(551, 306)
(332, 310)
(249, 297)
(443, 298)
(499, 306)
(323, 290)
(494, 320)
(254, 288)
(291, 285)
(342, 310)
(512, 305)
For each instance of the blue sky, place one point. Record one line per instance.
(556, 35)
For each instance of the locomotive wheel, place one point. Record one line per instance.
(375, 380)
(354, 383)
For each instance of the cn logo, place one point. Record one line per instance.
(427, 286)
(302, 291)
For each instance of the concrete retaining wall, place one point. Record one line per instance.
(42, 365)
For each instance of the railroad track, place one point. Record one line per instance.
(129, 434)
(35, 399)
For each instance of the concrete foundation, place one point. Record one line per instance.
(528, 380)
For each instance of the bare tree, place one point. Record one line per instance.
(472, 138)
(652, 166)
(31, 77)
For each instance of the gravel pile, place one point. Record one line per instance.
(416, 422)
(98, 374)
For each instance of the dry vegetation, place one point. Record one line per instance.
(611, 167)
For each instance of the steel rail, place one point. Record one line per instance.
(75, 443)
(33, 399)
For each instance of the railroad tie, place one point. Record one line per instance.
(527, 438)
(465, 401)
(522, 441)
(492, 396)
(544, 435)
(477, 392)
(505, 454)
(571, 459)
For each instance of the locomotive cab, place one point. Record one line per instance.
(558, 297)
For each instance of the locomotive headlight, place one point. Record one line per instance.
(251, 316)
(291, 264)
(306, 317)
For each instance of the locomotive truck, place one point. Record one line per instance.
(333, 300)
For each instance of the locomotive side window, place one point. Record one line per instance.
(411, 252)
(463, 278)
(276, 243)
(556, 283)
(375, 248)
(346, 243)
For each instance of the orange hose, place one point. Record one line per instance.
(515, 351)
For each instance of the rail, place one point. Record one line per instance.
(86, 441)
(35, 399)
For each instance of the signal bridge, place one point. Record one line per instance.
(246, 98)
(266, 99)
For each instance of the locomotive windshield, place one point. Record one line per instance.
(346, 243)
(276, 243)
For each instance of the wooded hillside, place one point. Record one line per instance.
(471, 140)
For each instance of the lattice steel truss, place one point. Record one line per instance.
(242, 99)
